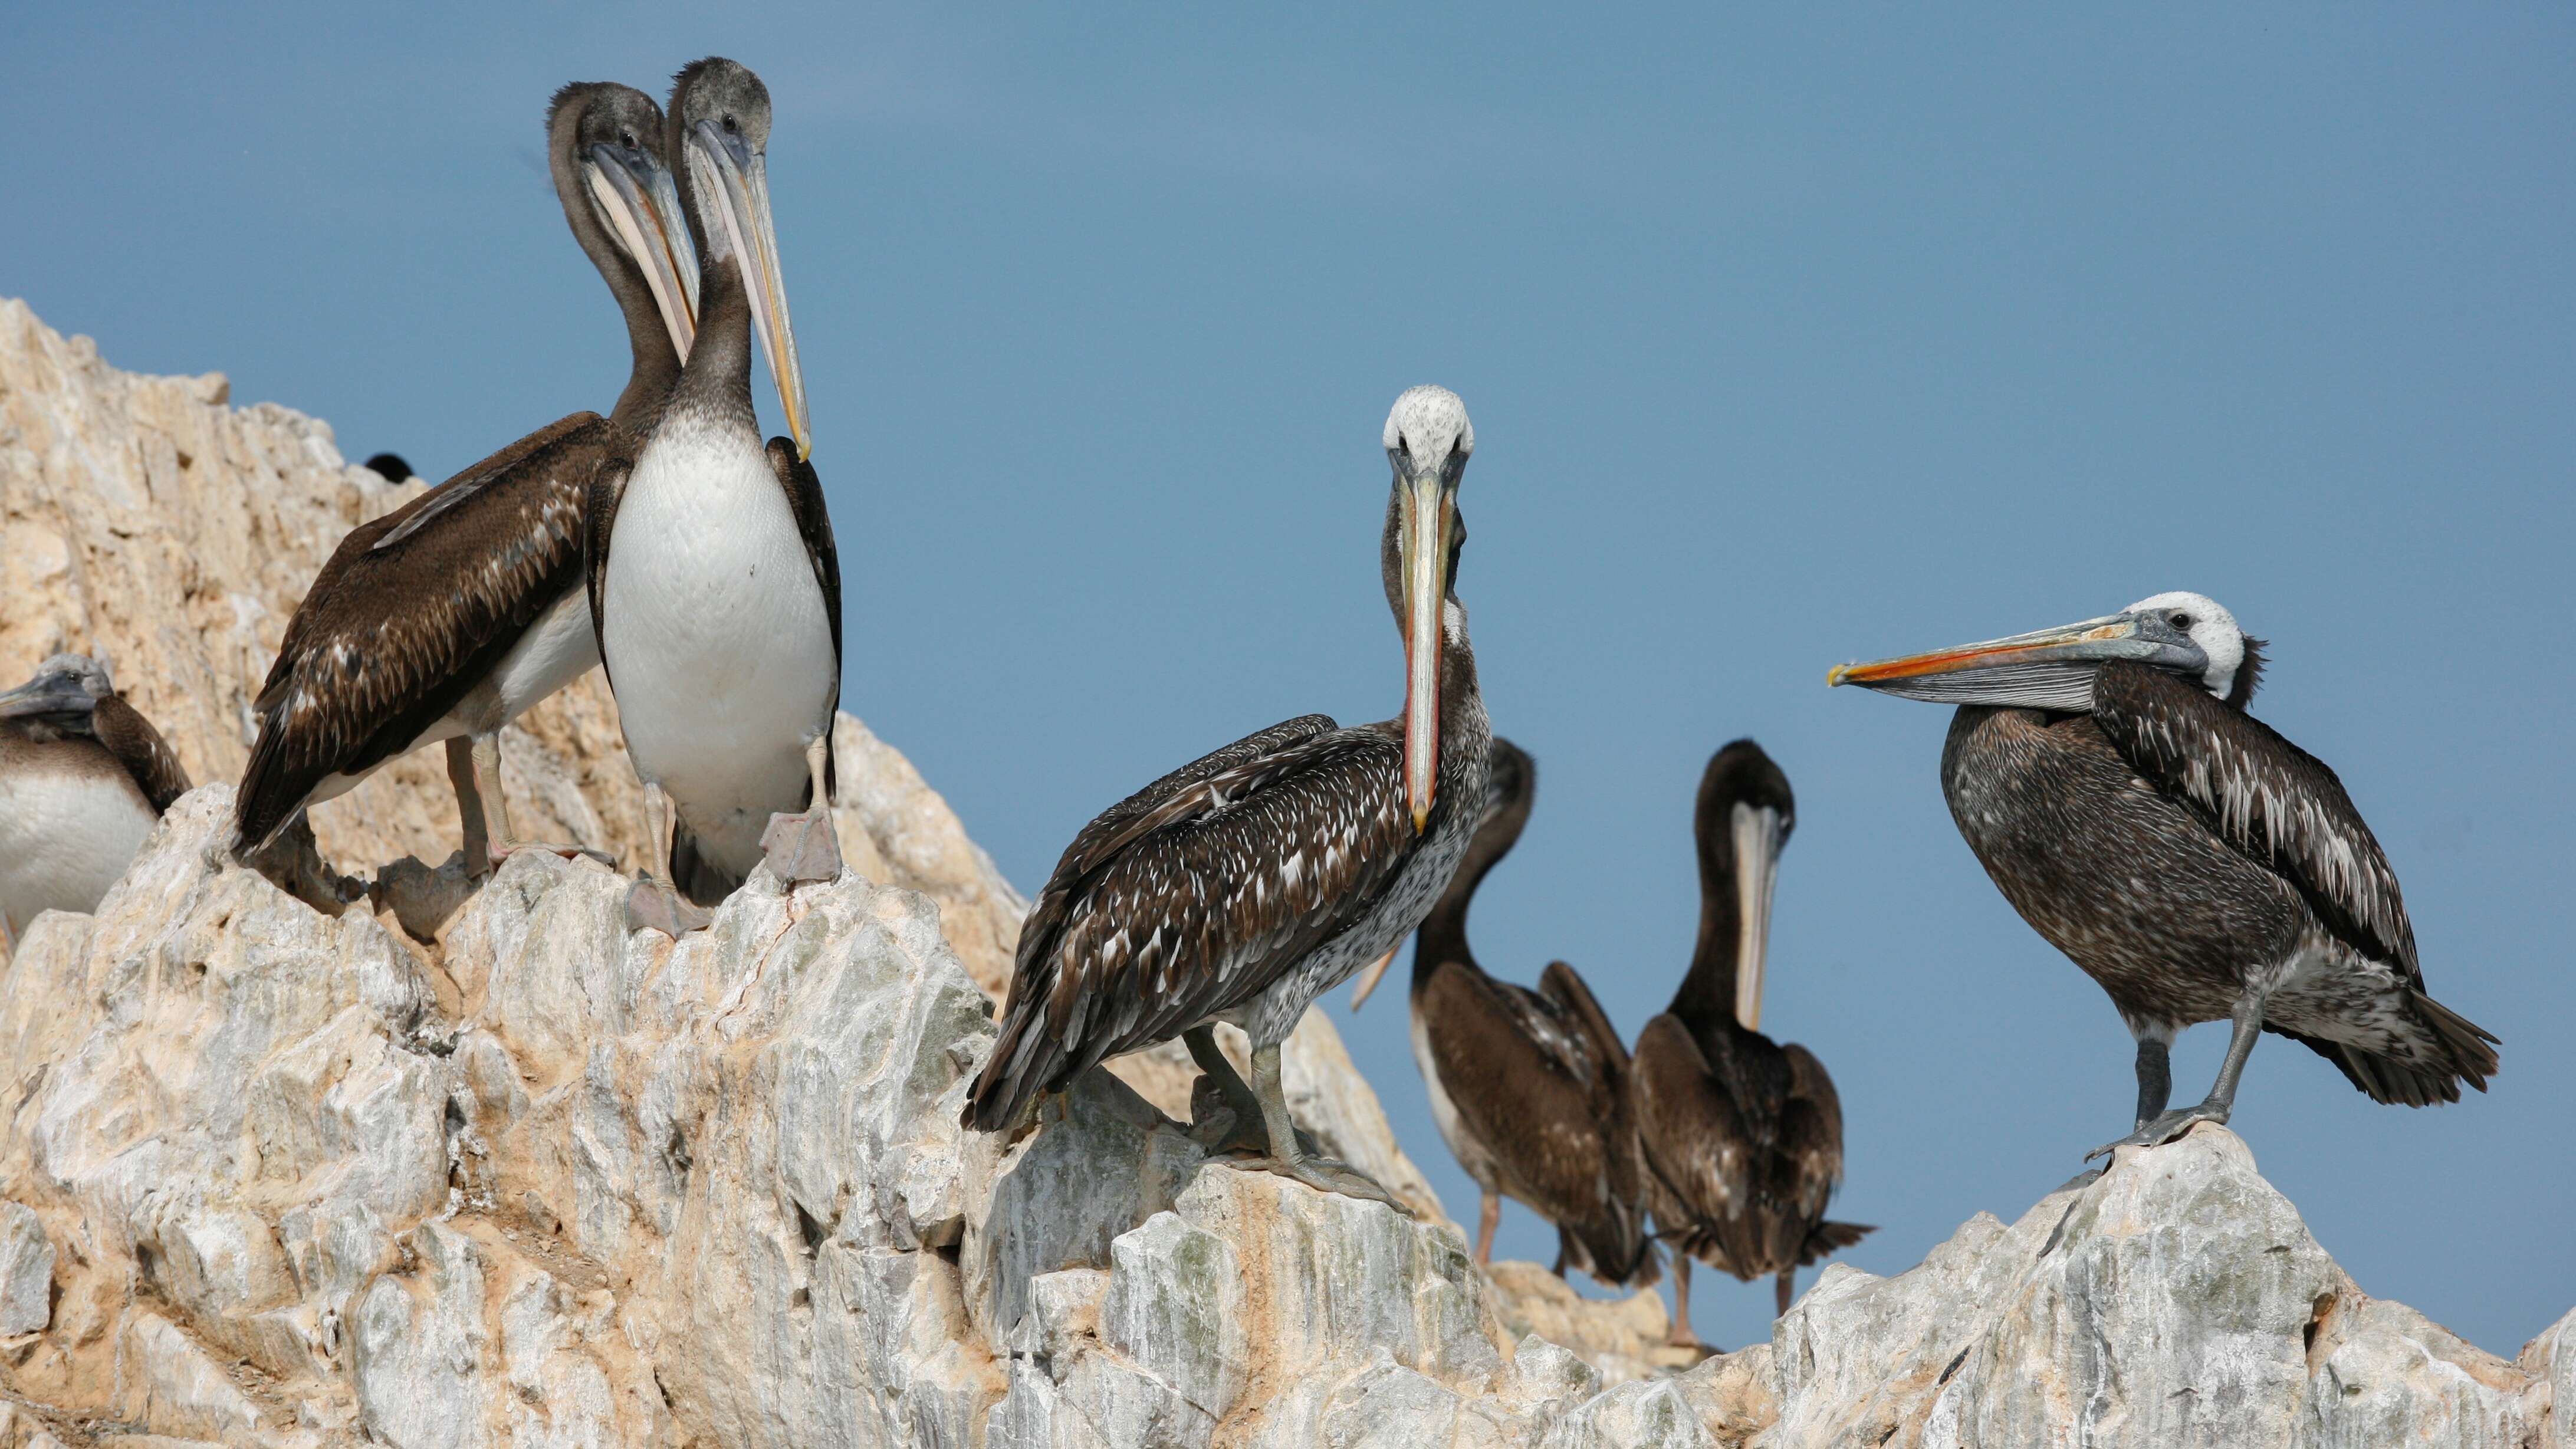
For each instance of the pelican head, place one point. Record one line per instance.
(1745, 814)
(719, 124)
(61, 696)
(1428, 441)
(2185, 634)
(606, 145)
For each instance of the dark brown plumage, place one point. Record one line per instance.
(399, 639)
(1528, 1088)
(2195, 863)
(1741, 1138)
(1244, 884)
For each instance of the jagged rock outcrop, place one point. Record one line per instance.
(468, 1164)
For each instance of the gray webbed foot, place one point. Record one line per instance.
(1326, 1175)
(802, 848)
(651, 905)
(2165, 1128)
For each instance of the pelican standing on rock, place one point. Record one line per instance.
(1528, 1088)
(83, 778)
(1741, 1138)
(713, 579)
(2191, 860)
(454, 614)
(1243, 885)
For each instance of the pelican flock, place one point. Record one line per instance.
(2108, 775)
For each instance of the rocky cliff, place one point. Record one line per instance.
(465, 1166)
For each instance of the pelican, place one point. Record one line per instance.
(2191, 860)
(1248, 882)
(1528, 1088)
(713, 579)
(454, 614)
(1741, 1138)
(83, 778)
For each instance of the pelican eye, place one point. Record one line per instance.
(626, 139)
(2182, 621)
(729, 125)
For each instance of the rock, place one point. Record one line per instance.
(26, 1271)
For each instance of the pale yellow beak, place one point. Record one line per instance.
(1428, 508)
(740, 189)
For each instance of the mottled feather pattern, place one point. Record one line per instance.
(2265, 796)
(1740, 1140)
(355, 681)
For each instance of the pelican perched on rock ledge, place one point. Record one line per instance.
(83, 778)
(2191, 860)
(1243, 885)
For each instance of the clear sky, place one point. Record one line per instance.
(1790, 338)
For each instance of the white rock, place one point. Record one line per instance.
(26, 1271)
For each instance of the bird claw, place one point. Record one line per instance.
(653, 906)
(2164, 1129)
(802, 848)
(1323, 1174)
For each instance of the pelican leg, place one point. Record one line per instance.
(469, 805)
(802, 847)
(2166, 1126)
(653, 902)
(484, 752)
(1489, 1214)
(1681, 1336)
(2155, 1079)
(1289, 1157)
(1785, 1293)
(1249, 1131)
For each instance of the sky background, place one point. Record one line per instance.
(1790, 338)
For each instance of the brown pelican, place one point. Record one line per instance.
(1741, 1138)
(83, 778)
(1245, 884)
(448, 617)
(1528, 1088)
(2190, 859)
(713, 580)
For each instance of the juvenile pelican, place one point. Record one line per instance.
(454, 614)
(713, 579)
(83, 778)
(1742, 1138)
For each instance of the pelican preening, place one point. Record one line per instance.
(2190, 859)
(714, 584)
(1741, 1139)
(83, 778)
(1243, 885)
(452, 615)
(1528, 1088)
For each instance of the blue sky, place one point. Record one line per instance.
(1790, 338)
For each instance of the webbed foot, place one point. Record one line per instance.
(2165, 1128)
(651, 905)
(802, 848)
(1326, 1175)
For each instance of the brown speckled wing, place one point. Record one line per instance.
(2278, 804)
(1690, 1138)
(1190, 897)
(411, 611)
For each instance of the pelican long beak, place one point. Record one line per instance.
(638, 200)
(738, 178)
(1757, 870)
(1369, 978)
(2048, 669)
(1428, 510)
(47, 696)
